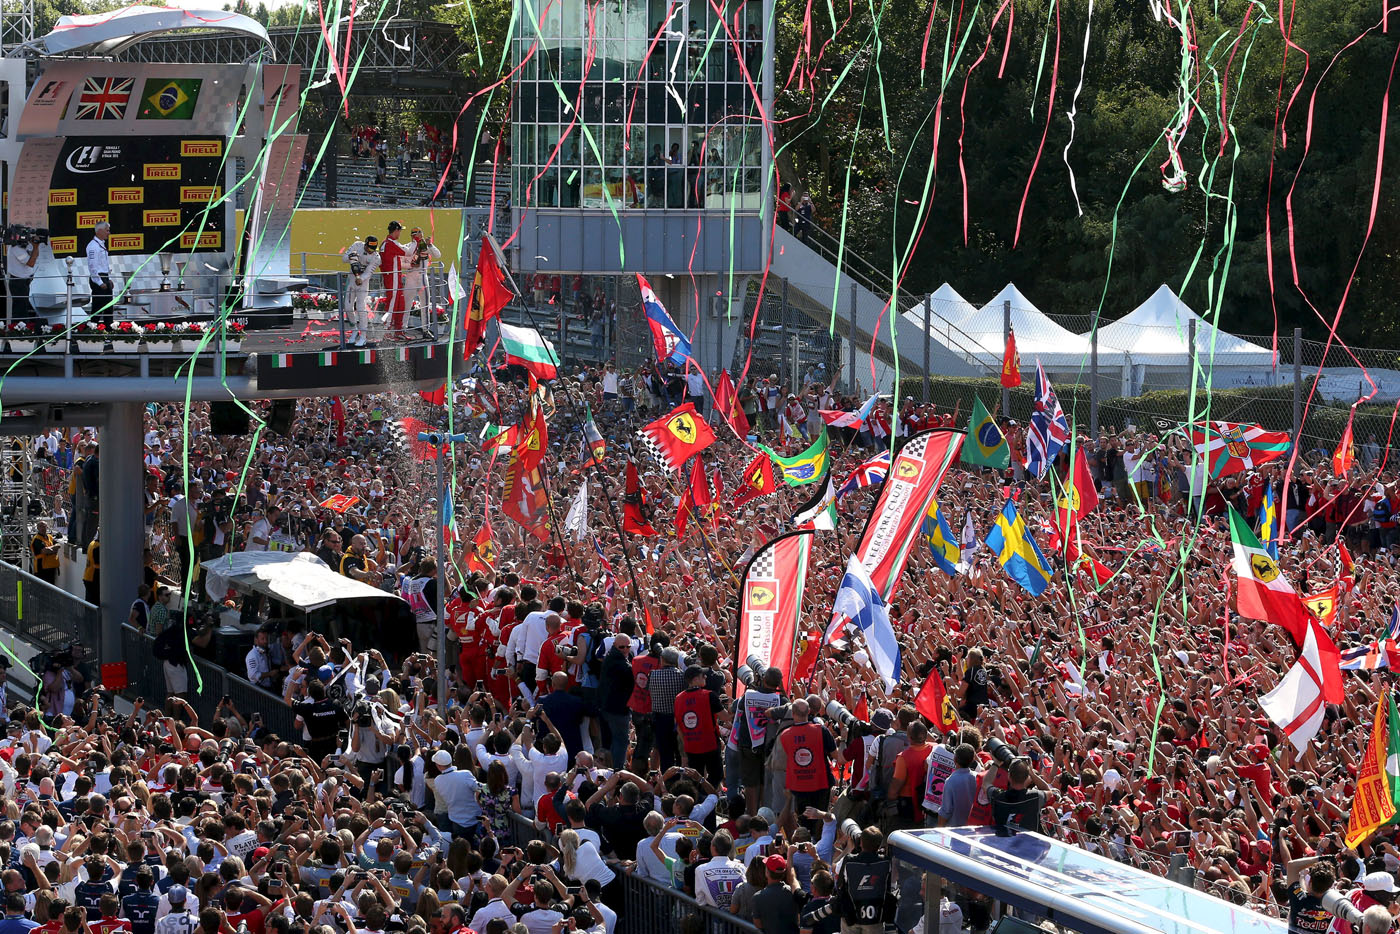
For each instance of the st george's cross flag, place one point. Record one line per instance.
(1048, 431)
(1264, 593)
(668, 340)
(1231, 448)
(1297, 703)
(677, 436)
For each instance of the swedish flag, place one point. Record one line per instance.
(985, 445)
(1017, 552)
(1268, 523)
(940, 540)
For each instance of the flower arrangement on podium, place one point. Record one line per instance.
(188, 334)
(159, 337)
(90, 336)
(315, 303)
(233, 336)
(22, 336)
(55, 337)
(125, 337)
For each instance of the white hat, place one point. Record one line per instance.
(1112, 778)
(442, 758)
(1379, 881)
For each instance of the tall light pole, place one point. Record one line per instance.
(441, 441)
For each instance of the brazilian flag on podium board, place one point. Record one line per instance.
(169, 98)
(985, 446)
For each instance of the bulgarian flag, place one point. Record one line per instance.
(525, 347)
(1264, 593)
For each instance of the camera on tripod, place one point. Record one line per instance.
(19, 235)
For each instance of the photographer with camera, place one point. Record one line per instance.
(364, 259)
(752, 735)
(695, 710)
(807, 747)
(21, 255)
(865, 883)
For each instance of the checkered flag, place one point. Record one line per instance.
(658, 453)
(763, 565)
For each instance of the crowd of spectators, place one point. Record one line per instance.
(593, 737)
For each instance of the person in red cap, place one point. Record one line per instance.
(776, 908)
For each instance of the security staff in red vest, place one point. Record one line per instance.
(808, 747)
(695, 719)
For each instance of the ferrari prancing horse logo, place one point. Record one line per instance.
(683, 427)
(1264, 568)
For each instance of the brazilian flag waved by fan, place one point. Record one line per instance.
(986, 446)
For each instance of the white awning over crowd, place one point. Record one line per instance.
(299, 579)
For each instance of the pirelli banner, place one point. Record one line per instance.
(151, 190)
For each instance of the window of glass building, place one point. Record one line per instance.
(637, 104)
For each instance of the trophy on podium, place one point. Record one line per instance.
(165, 259)
(180, 274)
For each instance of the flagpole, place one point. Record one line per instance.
(442, 442)
(556, 530)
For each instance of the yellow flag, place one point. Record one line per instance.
(1372, 808)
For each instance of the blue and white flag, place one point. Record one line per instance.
(1049, 429)
(858, 603)
(670, 341)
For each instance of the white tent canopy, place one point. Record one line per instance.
(107, 34)
(300, 580)
(1157, 333)
(1037, 337)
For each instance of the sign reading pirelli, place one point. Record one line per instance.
(199, 194)
(202, 147)
(161, 171)
(149, 188)
(209, 239)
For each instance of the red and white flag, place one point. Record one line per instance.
(1297, 703)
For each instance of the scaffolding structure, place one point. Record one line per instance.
(20, 500)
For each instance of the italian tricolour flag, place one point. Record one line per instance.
(1264, 593)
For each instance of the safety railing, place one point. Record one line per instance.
(146, 678)
(46, 616)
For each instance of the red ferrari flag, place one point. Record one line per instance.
(489, 295)
(1345, 455)
(340, 502)
(533, 432)
(525, 499)
(695, 501)
(1011, 363)
(1078, 494)
(934, 703)
(634, 517)
(481, 556)
(770, 602)
(758, 480)
(678, 436)
(727, 404)
(909, 490)
(436, 396)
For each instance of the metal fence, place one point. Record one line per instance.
(44, 615)
(207, 687)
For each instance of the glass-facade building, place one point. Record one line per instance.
(635, 105)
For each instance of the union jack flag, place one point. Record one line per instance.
(867, 474)
(1049, 429)
(1379, 654)
(103, 98)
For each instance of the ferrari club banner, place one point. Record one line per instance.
(910, 487)
(770, 601)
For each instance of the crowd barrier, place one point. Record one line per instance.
(207, 687)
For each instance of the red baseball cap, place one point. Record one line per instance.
(775, 863)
